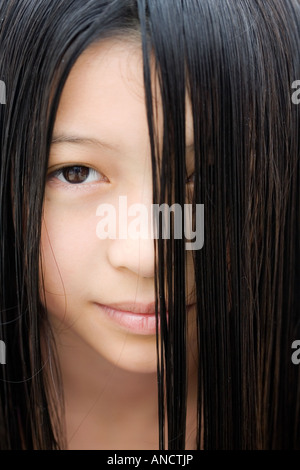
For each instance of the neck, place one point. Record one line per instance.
(108, 407)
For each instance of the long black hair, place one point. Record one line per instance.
(236, 63)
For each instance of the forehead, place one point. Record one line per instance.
(104, 96)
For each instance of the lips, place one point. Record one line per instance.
(134, 317)
(134, 307)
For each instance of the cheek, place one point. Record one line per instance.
(68, 245)
(56, 245)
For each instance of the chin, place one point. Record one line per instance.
(138, 367)
(131, 356)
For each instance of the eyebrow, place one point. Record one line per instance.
(73, 139)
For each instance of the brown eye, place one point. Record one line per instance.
(191, 179)
(76, 174)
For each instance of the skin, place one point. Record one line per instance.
(109, 373)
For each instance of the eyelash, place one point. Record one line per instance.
(59, 175)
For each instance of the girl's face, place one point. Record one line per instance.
(100, 289)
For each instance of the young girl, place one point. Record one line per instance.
(116, 338)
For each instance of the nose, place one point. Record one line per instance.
(136, 255)
(133, 246)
